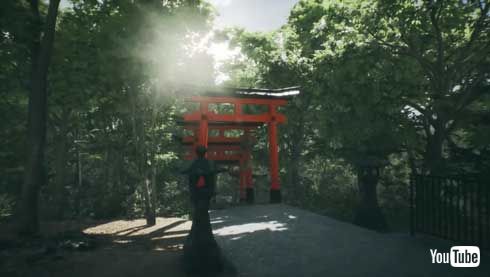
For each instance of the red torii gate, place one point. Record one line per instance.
(222, 148)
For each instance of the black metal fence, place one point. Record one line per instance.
(454, 208)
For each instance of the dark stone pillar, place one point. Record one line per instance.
(275, 196)
(368, 212)
(250, 195)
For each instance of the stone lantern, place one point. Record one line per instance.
(368, 213)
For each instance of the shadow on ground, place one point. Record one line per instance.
(114, 248)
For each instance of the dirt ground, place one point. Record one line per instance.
(116, 248)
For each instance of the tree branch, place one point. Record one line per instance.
(477, 30)
(434, 15)
(405, 51)
(472, 93)
(416, 106)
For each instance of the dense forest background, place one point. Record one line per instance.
(401, 86)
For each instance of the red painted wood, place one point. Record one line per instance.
(203, 124)
(213, 140)
(238, 108)
(220, 148)
(216, 157)
(262, 118)
(233, 100)
(249, 179)
(221, 130)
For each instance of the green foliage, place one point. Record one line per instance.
(113, 85)
(404, 83)
(389, 81)
(14, 76)
(6, 206)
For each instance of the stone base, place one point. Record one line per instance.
(371, 217)
(275, 196)
(250, 195)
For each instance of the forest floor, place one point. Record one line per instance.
(260, 240)
(114, 248)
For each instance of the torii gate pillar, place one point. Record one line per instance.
(203, 124)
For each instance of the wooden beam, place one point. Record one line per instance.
(263, 118)
(219, 147)
(234, 100)
(213, 140)
(216, 157)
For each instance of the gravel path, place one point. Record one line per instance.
(279, 240)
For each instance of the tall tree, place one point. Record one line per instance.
(449, 44)
(35, 175)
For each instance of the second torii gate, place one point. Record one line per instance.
(205, 119)
(225, 149)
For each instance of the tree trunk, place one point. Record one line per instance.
(153, 153)
(154, 189)
(34, 171)
(141, 159)
(434, 162)
(297, 143)
(60, 168)
(294, 177)
(149, 211)
(153, 163)
(77, 176)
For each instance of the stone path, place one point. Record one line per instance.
(279, 240)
